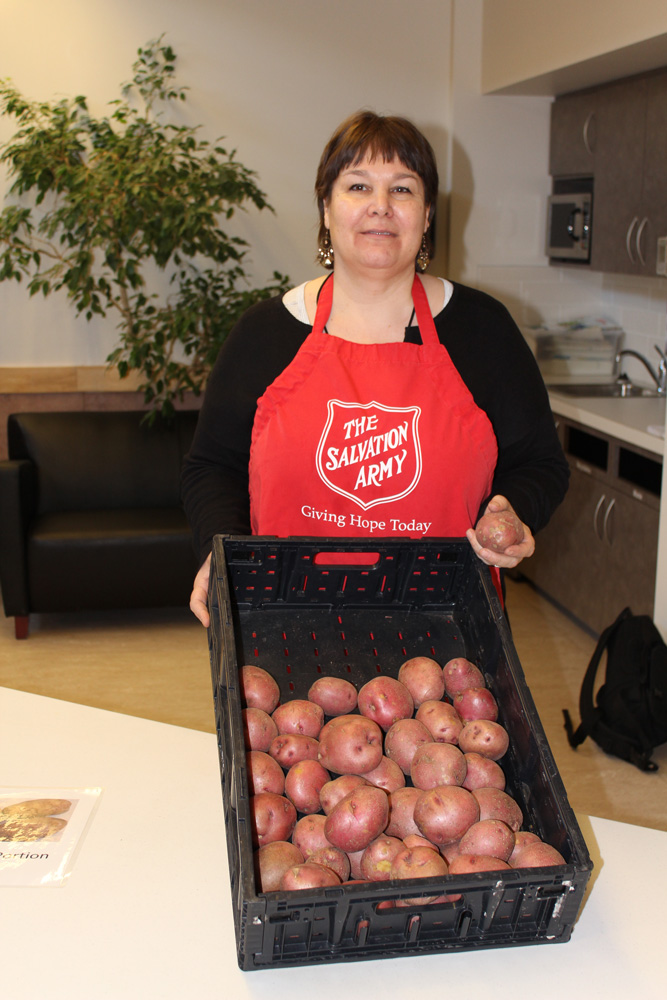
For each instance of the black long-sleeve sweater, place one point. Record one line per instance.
(484, 344)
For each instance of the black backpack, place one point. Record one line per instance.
(629, 719)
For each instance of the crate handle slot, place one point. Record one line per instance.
(346, 558)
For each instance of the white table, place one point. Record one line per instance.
(146, 912)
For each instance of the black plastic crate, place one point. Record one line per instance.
(288, 607)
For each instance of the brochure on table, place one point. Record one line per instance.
(41, 831)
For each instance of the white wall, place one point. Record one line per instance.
(275, 78)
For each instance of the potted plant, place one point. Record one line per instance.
(96, 203)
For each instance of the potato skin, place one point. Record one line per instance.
(539, 855)
(303, 782)
(351, 744)
(308, 834)
(258, 728)
(497, 531)
(476, 703)
(264, 773)
(334, 695)
(290, 748)
(258, 688)
(461, 673)
(423, 678)
(403, 739)
(387, 775)
(464, 864)
(496, 804)
(273, 817)
(357, 819)
(437, 764)
(487, 738)
(441, 719)
(401, 821)
(482, 772)
(491, 837)
(299, 716)
(272, 861)
(308, 876)
(385, 700)
(443, 814)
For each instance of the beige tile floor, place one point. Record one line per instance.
(154, 664)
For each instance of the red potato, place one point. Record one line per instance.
(258, 688)
(482, 736)
(441, 719)
(352, 746)
(450, 851)
(444, 814)
(461, 673)
(264, 773)
(416, 840)
(334, 695)
(464, 864)
(482, 772)
(258, 728)
(336, 789)
(500, 530)
(402, 739)
(387, 775)
(401, 812)
(272, 861)
(385, 700)
(273, 818)
(334, 858)
(303, 782)
(521, 839)
(496, 804)
(309, 834)
(376, 859)
(538, 855)
(489, 837)
(299, 716)
(437, 764)
(357, 819)
(475, 703)
(293, 747)
(423, 678)
(308, 876)
(354, 857)
(418, 862)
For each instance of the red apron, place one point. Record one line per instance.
(369, 439)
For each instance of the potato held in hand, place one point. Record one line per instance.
(499, 531)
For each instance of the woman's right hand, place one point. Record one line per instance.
(199, 595)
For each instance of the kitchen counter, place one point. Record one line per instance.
(147, 910)
(626, 420)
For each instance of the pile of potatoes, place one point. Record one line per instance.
(397, 780)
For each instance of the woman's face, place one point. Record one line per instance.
(376, 216)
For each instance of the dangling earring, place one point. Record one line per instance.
(325, 252)
(423, 258)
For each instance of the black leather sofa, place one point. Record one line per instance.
(91, 515)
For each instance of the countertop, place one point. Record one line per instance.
(626, 420)
(147, 910)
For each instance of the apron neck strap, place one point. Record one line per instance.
(427, 328)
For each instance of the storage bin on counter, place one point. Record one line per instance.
(281, 605)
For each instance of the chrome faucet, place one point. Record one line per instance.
(659, 376)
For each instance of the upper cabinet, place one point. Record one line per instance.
(617, 135)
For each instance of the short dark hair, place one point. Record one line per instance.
(386, 136)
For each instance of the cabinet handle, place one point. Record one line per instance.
(638, 240)
(583, 468)
(628, 237)
(595, 517)
(606, 523)
(586, 133)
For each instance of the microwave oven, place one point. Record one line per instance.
(569, 225)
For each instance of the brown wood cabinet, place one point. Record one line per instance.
(616, 134)
(599, 552)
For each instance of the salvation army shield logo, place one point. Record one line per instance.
(369, 452)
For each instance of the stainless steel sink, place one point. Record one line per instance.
(615, 390)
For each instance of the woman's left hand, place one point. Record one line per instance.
(513, 554)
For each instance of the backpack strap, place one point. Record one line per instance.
(592, 723)
(589, 712)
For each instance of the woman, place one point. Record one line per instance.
(375, 400)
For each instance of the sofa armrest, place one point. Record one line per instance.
(18, 502)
